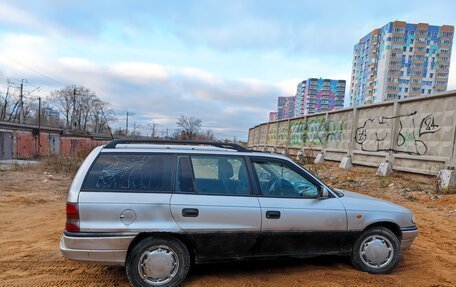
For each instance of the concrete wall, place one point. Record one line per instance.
(416, 135)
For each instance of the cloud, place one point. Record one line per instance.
(78, 64)
(289, 86)
(10, 14)
(154, 93)
(225, 62)
(139, 71)
(199, 74)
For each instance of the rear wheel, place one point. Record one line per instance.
(376, 251)
(157, 261)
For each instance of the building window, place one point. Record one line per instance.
(410, 49)
(406, 90)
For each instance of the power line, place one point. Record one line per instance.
(33, 70)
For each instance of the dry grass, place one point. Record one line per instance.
(58, 164)
(63, 164)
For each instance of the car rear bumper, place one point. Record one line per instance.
(408, 235)
(96, 249)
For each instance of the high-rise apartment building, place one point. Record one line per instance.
(285, 107)
(273, 116)
(401, 60)
(319, 95)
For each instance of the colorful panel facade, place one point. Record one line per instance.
(319, 95)
(285, 107)
(400, 60)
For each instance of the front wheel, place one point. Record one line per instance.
(376, 251)
(158, 261)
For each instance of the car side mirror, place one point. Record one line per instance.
(324, 193)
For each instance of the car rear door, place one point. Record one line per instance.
(295, 221)
(214, 205)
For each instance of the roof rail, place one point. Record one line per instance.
(114, 143)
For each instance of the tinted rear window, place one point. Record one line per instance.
(129, 172)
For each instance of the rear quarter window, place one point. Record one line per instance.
(130, 172)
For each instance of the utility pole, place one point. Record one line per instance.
(74, 107)
(21, 102)
(39, 114)
(39, 124)
(126, 126)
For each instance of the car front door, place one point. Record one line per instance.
(213, 204)
(295, 220)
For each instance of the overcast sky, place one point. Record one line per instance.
(225, 62)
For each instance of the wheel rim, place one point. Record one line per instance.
(376, 251)
(158, 265)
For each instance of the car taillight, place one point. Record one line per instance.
(72, 217)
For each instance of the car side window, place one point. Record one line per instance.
(280, 180)
(220, 175)
(130, 172)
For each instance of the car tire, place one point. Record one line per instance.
(158, 261)
(376, 251)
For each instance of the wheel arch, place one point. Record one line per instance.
(182, 237)
(393, 227)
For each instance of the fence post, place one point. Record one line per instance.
(447, 176)
(452, 159)
(320, 157)
(352, 143)
(346, 161)
(255, 137)
(288, 137)
(326, 126)
(386, 167)
(277, 137)
(394, 128)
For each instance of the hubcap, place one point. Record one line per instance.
(376, 251)
(158, 265)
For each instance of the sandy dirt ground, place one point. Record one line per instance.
(32, 216)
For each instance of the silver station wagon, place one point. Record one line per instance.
(159, 206)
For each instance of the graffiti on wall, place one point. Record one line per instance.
(297, 129)
(375, 134)
(282, 134)
(315, 132)
(272, 134)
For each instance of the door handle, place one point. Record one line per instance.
(273, 214)
(190, 212)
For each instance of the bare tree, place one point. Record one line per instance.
(5, 103)
(189, 125)
(82, 109)
(11, 104)
(101, 115)
(63, 101)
